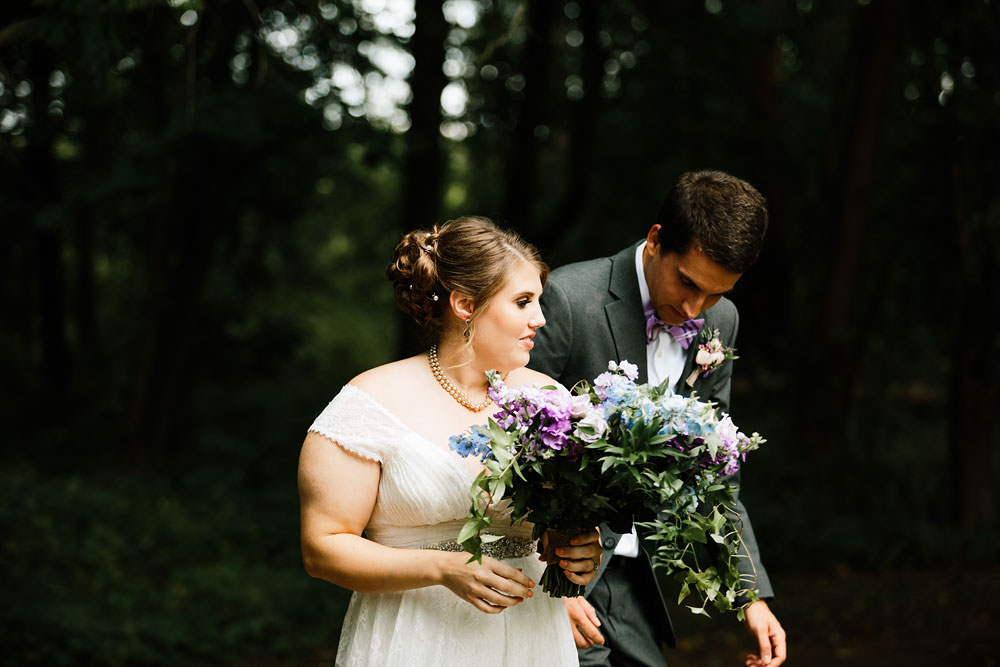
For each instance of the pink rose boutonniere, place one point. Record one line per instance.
(711, 354)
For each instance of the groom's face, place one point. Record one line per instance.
(682, 286)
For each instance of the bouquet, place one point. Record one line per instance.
(615, 452)
(535, 454)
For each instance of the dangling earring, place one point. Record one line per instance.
(468, 322)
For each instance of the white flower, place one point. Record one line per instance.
(605, 379)
(709, 357)
(631, 370)
(593, 427)
(726, 430)
(579, 406)
(674, 402)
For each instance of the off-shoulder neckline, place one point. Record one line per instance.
(406, 427)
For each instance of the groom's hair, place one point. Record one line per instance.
(722, 214)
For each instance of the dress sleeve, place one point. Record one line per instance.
(358, 424)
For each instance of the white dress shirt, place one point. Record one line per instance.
(664, 359)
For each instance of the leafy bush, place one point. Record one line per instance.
(114, 571)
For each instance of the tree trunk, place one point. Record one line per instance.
(837, 351)
(423, 175)
(523, 156)
(424, 164)
(585, 112)
(42, 180)
(181, 252)
(877, 37)
(83, 292)
(974, 394)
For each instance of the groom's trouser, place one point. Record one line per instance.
(629, 607)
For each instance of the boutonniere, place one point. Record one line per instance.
(711, 354)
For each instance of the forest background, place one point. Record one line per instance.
(199, 197)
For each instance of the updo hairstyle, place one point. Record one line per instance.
(470, 254)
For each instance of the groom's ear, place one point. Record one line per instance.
(653, 238)
(462, 305)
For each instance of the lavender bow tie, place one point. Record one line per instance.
(683, 333)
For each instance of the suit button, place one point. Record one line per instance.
(610, 542)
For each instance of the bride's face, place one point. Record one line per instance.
(506, 327)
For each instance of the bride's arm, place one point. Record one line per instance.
(337, 492)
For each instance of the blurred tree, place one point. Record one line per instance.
(143, 154)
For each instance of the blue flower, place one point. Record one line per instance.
(475, 442)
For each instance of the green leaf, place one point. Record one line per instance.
(694, 533)
(502, 456)
(713, 443)
(490, 538)
(498, 434)
(718, 520)
(470, 529)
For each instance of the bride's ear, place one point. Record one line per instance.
(462, 305)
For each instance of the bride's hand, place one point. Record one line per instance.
(582, 558)
(490, 587)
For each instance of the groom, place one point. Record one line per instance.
(632, 306)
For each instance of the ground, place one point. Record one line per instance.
(904, 617)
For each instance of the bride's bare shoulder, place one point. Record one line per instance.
(384, 382)
(526, 376)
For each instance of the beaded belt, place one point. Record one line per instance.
(502, 549)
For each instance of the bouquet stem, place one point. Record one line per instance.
(554, 582)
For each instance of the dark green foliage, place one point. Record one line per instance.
(108, 570)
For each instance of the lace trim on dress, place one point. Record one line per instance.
(353, 421)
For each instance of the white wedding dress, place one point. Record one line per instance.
(423, 501)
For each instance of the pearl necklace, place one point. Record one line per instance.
(447, 385)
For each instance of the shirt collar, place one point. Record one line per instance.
(641, 275)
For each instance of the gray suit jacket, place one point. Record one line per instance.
(593, 314)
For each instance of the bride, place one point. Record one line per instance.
(382, 506)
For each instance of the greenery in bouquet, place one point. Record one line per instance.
(680, 454)
(610, 452)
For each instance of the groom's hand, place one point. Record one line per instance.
(581, 559)
(769, 633)
(583, 619)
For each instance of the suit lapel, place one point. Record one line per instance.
(625, 315)
(692, 352)
(682, 387)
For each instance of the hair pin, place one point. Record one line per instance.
(433, 296)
